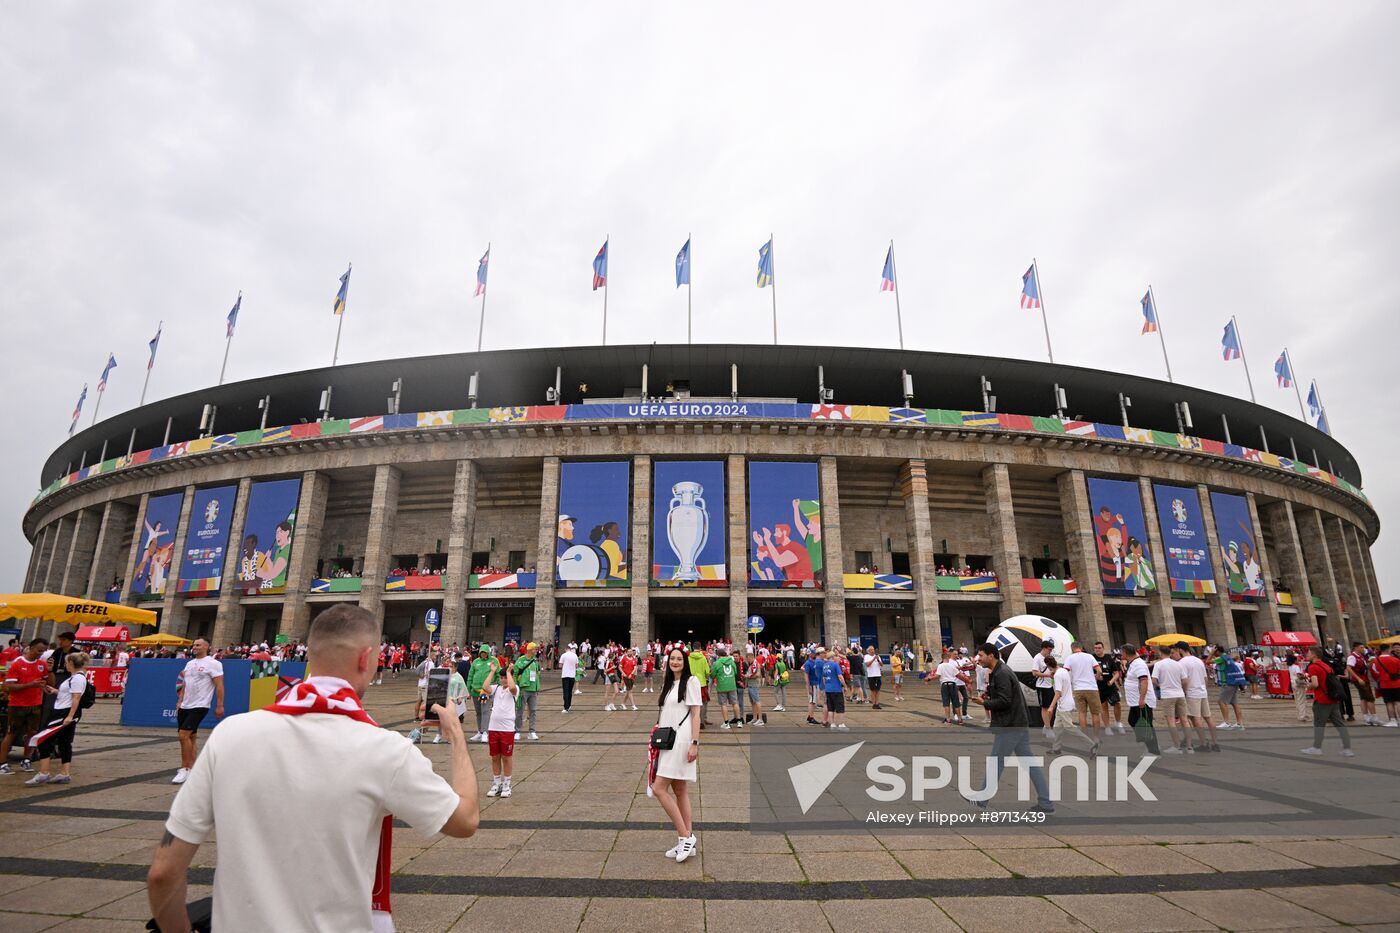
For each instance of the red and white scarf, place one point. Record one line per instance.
(333, 695)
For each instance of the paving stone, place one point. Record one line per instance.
(740, 867)
(1246, 910)
(1324, 853)
(9, 883)
(1238, 856)
(951, 863)
(767, 917)
(893, 915)
(523, 915)
(77, 898)
(1129, 913)
(643, 915)
(12, 922)
(1348, 903)
(428, 913)
(1048, 863)
(852, 866)
(1145, 861)
(999, 914)
(137, 906)
(554, 863)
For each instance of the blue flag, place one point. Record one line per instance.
(1314, 402)
(600, 268)
(1149, 313)
(155, 342)
(1230, 343)
(1282, 371)
(765, 264)
(111, 365)
(683, 265)
(233, 314)
(78, 410)
(342, 296)
(887, 274)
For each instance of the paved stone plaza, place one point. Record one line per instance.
(578, 847)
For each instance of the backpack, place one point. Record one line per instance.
(1335, 689)
(89, 695)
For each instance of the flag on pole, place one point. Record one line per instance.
(1149, 314)
(1314, 403)
(683, 265)
(233, 314)
(78, 410)
(765, 265)
(1030, 289)
(887, 275)
(481, 271)
(600, 268)
(1230, 343)
(343, 295)
(1282, 371)
(155, 342)
(111, 365)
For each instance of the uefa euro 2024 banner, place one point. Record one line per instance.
(266, 550)
(591, 543)
(157, 534)
(785, 524)
(1239, 550)
(1120, 534)
(205, 540)
(688, 523)
(1184, 538)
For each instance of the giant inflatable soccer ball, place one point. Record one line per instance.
(1018, 641)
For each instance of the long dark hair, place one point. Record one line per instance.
(671, 677)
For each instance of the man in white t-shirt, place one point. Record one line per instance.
(1193, 673)
(1141, 698)
(1065, 703)
(873, 678)
(339, 773)
(201, 686)
(949, 677)
(1044, 685)
(1171, 695)
(568, 674)
(1084, 675)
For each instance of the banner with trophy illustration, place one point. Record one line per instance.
(1184, 539)
(592, 538)
(785, 524)
(688, 523)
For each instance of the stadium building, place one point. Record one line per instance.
(679, 491)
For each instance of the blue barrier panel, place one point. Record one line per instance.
(150, 696)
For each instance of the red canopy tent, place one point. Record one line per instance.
(1288, 639)
(107, 678)
(118, 633)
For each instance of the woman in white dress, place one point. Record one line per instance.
(675, 767)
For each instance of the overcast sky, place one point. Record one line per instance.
(159, 157)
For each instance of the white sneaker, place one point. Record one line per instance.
(505, 790)
(564, 711)
(724, 725)
(40, 778)
(675, 849)
(634, 707)
(534, 737)
(180, 776)
(517, 736)
(1348, 753)
(687, 849)
(1312, 751)
(779, 709)
(1172, 750)
(842, 726)
(610, 708)
(437, 739)
(476, 737)
(495, 790)
(1393, 724)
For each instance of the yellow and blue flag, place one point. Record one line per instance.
(342, 296)
(765, 264)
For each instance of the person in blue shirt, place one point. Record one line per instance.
(834, 685)
(816, 696)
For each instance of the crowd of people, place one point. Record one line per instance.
(488, 569)
(964, 571)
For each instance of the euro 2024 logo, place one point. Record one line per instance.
(211, 512)
(1179, 511)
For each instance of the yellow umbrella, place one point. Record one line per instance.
(50, 607)
(1172, 638)
(161, 640)
(1384, 642)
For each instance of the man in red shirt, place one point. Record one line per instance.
(10, 652)
(24, 685)
(1325, 709)
(1386, 668)
(627, 671)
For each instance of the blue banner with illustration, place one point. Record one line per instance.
(1120, 537)
(1184, 539)
(785, 524)
(206, 537)
(688, 523)
(265, 552)
(157, 543)
(1239, 549)
(592, 531)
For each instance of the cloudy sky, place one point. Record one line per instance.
(160, 157)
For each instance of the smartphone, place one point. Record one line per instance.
(437, 692)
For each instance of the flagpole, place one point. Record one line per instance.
(1321, 408)
(773, 284)
(607, 240)
(335, 354)
(1044, 318)
(689, 285)
(481, 328)
(1297, 389)
(97, 403)
(228, 340)
(1243, 359)
(150, 366)
(1158, 312)
(898, 315)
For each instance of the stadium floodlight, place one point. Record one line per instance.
(264, 405)
(1124, 403)
(734, 382)
(907, 383)
(824, 395)
(1183, 417)
(1061, 402)
(206, 420)
(326, 403)
(645, 374)
(989, 402)
(471, 388)
(397, 397)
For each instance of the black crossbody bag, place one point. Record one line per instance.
(663, 738)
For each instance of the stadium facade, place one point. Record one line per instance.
(679, 491)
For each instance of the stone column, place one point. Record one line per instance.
(639, 557)
(545, 611)
(1220, 618)
(459, 542)
(1373, 589)
(306, 544)
(36, 554)
(1321, 573)
(133, 555)
(174, 617)
(1160, 617)
(1006, 549)
(913, 484)
(737, 527)
(228, 619)
(58, 560)
(383, 510)
(81, 551)
(1267, 615)
(116, 518)
(1293, 570)
(833, 555)
(1083, 556)
(1348, 579)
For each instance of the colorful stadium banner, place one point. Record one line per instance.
(206, 537)
(591, 541)
(688, 521)
(262, 683)
(1238, 549)
(785, 524)
(336, 585)
(398, 582)
(157, 536)
(501, 581)
(877, 581)
(947, 583)
(1184, 538)
(1036, 585)
(266, 550)
(1120, 534)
